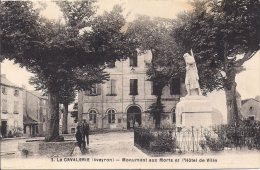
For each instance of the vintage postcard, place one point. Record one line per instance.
(130, 84)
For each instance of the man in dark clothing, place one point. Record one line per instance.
(85, 131)
(79, 138)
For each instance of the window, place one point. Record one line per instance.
(119, 120)
(133, 60)
(173, 116)
(72, 130)
(111, 116)
(16, 104)
(133, 87)
(16, 93)
(4, 90)
(42, 102)
(4, 106)
(111, 64)
(93, 116)
(36, 129)
(95, 90)
(15, 123)
(175, 86)
(153, 92)
(251, 118)
(111, 88)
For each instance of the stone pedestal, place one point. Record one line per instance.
(194, 111)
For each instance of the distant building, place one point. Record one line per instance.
(71, 124)
(35, 113)
(123, 101)
(11, 108)
(250, 109)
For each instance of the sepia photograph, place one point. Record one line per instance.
(130, 84)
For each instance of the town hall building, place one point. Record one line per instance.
(124, 100)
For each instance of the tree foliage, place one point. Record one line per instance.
(153, 34)
(55, 50)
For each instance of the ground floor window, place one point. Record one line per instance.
(111, 116)
(93, 116)
(173, 116)
(73, 130)
(251, 118)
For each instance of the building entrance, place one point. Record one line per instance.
(4, 128)
(133, 116)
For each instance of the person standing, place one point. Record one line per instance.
(85, 128)
(79, 138)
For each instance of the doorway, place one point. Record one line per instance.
(133, 116)
(4, 128)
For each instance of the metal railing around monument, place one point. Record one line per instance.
(198, 139)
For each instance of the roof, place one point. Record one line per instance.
(28, 120)
(246, 100)
(38, 94)
(6, 82)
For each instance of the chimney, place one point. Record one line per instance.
(3, 75)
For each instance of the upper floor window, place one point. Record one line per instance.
(133, 60)
(153, 89)
(94, 91)
(111, 116)
(93, 116)
(133, 87)
(4, 90)
(111, 88)
(111, 64)
(4, 106)
(175, 86)
(16, 104)
(16, 92)
(42, 102)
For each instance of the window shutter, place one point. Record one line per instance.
(16, 107)
(98, 89)
(135, 60)
(113, 86)
(109, 87)
(133, 87)
(175, 86)
(131, 61)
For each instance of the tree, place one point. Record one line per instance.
(153, 34)
(257, 98)
(53, 50)
(223, 35)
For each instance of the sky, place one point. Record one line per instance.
(248, 82)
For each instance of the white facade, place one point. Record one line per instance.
(11, 108)
(113, 104)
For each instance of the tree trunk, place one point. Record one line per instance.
(65, 119)
(231, 102)
(52, 133)
(157, 115)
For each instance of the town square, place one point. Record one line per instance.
(148, 84)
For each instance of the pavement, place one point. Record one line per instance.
(116, 150)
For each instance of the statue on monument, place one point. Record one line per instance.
(192, 77)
